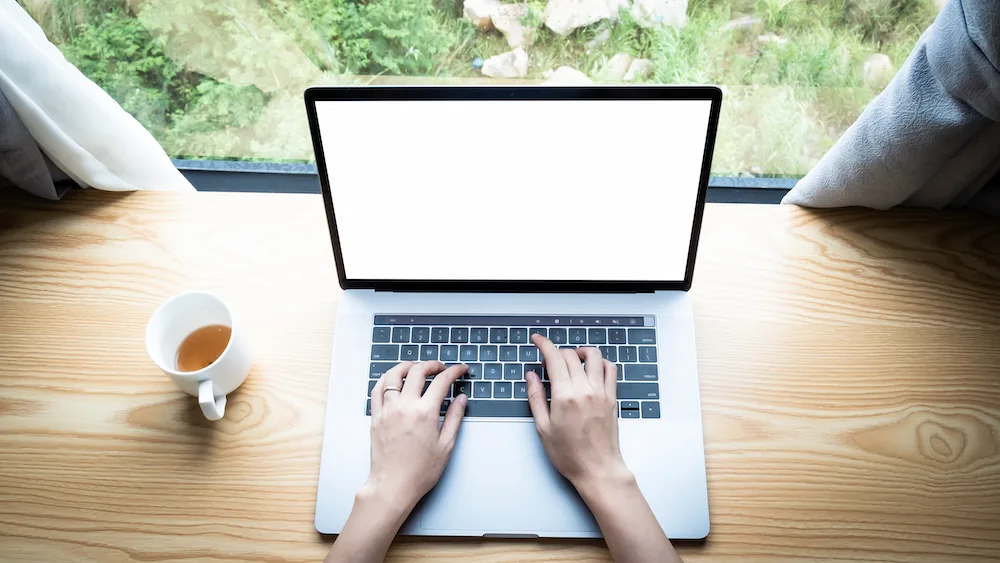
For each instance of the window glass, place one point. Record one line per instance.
(223, 79)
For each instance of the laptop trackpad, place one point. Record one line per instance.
(499, 481)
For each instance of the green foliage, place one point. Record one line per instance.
(382, 36)
(117, 53)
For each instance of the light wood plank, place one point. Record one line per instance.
(850, 374)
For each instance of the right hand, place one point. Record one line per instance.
(580, 430)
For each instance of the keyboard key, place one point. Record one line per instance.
(528, 354)
(577, 336)
(641, 336)
(482, 389)
(380, 334)
(477, 335)
(439, 335)
(378, 369)
(385, 351)
(461, 387)
(542, 331)
(444, 406)
(650, 409)
(498, 336)
(497, 408)
(401, 334)
(557, 335)
(596, 336)
(460, 335)
(368, 408)
(628, 353)
(616, 336)
(488, 353)
(512, 372)
(449, 353)
(371, 385)
(493, 371)
(641, 372)
(508, 353)
(621, 372)
(520, 389)
(610, 353)
(469, 353)
(427, 383)
(502, 389)
(421, 335)
(630, 405)
(518, 335)
(409, 352)
(475, 372)
(630, 414)
(428, 352)
(647, 353)
(638, 391)
(567, 347)
(548, 389)
(537, 368)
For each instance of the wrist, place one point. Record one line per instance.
(600, 485)
(382, 504)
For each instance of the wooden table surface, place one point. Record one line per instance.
(850, 376)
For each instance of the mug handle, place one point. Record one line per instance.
(213, 408)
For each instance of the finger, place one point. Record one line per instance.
(593, 365)
(393, 377)
(574, 366)
(453, 420)
(555, 365)
(537, 403)
(414, 385)
(610, 380)
(439, 387)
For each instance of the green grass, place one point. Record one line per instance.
(785, 104)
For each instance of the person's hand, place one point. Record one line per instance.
(580, 430)
(409, 448)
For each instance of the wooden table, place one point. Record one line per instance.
(850, 375)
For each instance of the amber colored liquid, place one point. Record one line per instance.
(202, 347)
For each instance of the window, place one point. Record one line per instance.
(222, 79)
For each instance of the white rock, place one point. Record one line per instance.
(614, 70)
(638, 70)
(599, 39)
(513, 64)
(567, 76)
(479, 12)
(507, 19)
(772, 39)
(563, 16)
(744, 23)
(653, 13)
(878, 71)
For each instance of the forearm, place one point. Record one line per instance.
(370, 528)
(629, 527)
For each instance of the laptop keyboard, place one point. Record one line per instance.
(499, 352)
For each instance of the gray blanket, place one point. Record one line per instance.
(22, 163)
(932, 137)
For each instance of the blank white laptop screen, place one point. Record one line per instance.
(581, 190)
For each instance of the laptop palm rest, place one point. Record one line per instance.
(500, 481)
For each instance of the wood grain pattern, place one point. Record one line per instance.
(850, 375)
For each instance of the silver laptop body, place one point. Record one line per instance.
(463, 220)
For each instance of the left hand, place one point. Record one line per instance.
(409, 447)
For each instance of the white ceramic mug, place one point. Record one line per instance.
(172, 322)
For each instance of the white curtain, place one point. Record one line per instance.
(77, 125)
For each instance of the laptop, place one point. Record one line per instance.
(465, 219)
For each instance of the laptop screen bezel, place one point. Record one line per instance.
(466, 93)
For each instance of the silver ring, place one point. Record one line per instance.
(392, 388)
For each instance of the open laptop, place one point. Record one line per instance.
(463, 220)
